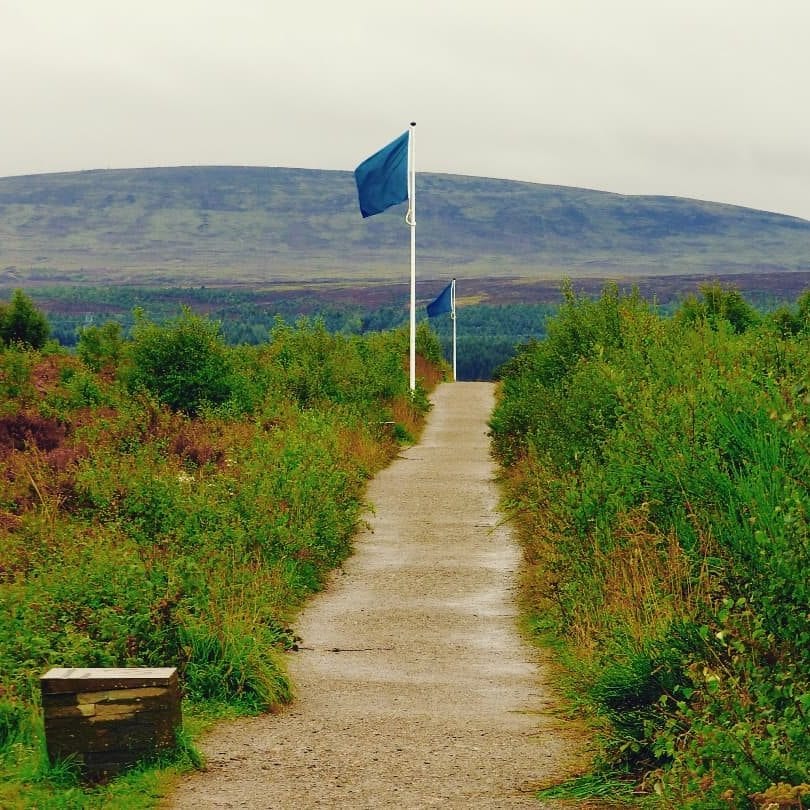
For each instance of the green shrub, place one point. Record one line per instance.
(428, 344)
(184, 362)
(719, 303)
(314, 366)
(233, 663)
(13, 718)
(552, 399)
(15, 375)
(101, 346)
(21, 322)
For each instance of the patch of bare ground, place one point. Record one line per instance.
(414, 686)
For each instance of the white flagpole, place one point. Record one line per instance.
(411, 220)
(453, 316)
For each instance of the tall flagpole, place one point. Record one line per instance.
(411, 220)
(453, 316)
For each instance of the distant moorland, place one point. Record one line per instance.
(231, 225)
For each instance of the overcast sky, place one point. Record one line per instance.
(698, 98)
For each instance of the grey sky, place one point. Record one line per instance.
(699, 98)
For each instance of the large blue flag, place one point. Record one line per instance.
(443, 302)
(382, 179)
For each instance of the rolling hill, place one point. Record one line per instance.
(220, 225)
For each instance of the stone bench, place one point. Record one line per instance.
(108, 719)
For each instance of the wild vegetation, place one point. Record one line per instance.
(170, 500)
(659, 470)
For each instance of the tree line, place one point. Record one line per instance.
(487, 334)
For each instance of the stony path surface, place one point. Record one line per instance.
(414, 687)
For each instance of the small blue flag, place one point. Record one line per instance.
(443, 302)
(382, 179)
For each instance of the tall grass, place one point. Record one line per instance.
(153, 515)
(659, 468)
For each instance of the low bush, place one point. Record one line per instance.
(101, 347)
(183, 363)
(21, 322)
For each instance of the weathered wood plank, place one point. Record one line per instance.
(109, 719)
(76, 708)
(92, 679)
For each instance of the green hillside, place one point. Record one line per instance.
(259, 225)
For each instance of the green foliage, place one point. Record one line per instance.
(551, 399)
(590, 786)
(660, 467)
(15, 374)
(803, 307)
(791, 321)
(21, 322)
(427, 344)
(184, 363)
(133, 534)
(13, 716)
(101, 346)
(718, 304)
(234, 664)
(314, 366)
(78, 389)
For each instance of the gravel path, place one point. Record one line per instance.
(414, 688)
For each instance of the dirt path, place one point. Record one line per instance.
(414, 687)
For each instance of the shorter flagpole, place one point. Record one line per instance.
(453, 316)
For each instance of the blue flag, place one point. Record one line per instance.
(382, 179)
(443, 302)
